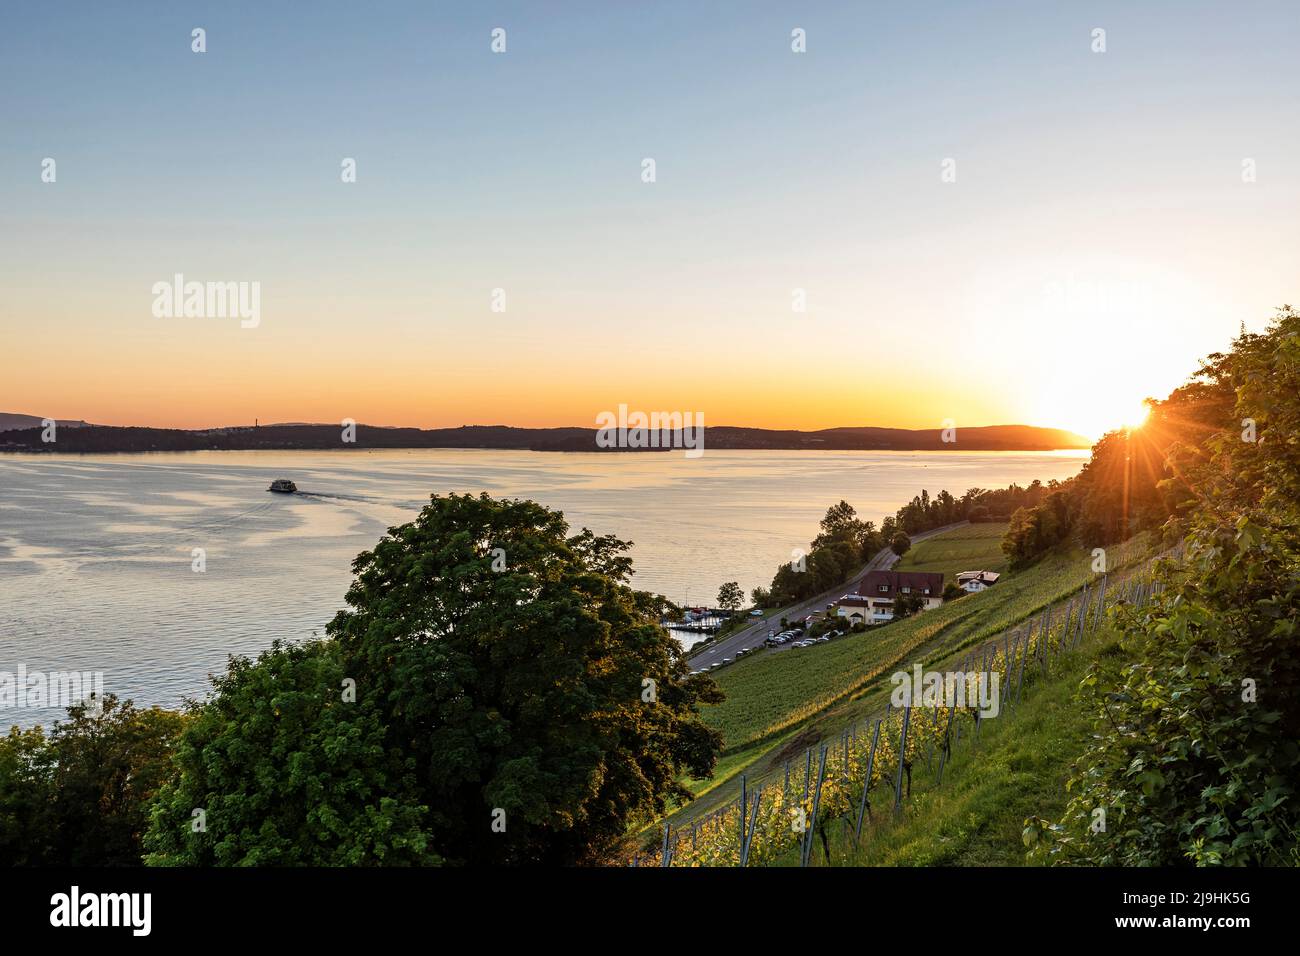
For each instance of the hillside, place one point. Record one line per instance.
(964, 805)
(778, 702)
(11, 422)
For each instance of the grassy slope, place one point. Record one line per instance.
(774, 691)
(779, 703)
(1018, 770)
(972, 547)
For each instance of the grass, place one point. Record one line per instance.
(1018, 770)
(972, 547)
(781, 702)
(773, 692)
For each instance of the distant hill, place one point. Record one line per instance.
(101, 438)
(9, 421)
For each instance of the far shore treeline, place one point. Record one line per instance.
(495, 692)
(81, 438)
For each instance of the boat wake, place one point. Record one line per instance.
(326, 496)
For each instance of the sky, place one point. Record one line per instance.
(1099, 236)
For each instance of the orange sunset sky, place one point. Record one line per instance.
(1093, 245)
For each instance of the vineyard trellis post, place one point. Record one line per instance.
(1020, 675)
(817, 797)
(744, 808)
(902, 760)
(1083, 616)
(747, 833)
(947, 747)
(863, 805)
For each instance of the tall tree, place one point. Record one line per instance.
(730, 596)
(544, 708)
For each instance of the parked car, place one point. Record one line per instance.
(823, 640)
(756, 613)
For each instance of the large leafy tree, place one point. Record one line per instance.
(79, 795)
(281, 767)
(544, 708)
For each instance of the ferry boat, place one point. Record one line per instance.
(283, 485)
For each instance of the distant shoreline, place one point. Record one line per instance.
(105, 439)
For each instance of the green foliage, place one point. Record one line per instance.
(287, 772)
(1034, 531)
(843, 545)
(546, 689)
(1196, 757)
(730, 596)
(26, 791)
(905, 605)
(79, 796)
(900, 544)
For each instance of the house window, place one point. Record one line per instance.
(883, 589)
(906, 590)
(926, 591)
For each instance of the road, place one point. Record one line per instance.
(754, 635)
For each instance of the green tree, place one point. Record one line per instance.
(26, 795)
(730, 596)
(540, 694)
(285, 770)
(1194, 757)
(905, 605)
(79, 796)
(761, 597)
(900, 544)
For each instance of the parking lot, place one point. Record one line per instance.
(792, 637)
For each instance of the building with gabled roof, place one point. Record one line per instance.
(873, 600)
(974, 581)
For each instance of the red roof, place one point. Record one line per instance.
(924, 583)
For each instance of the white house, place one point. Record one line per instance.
(873, 601)
(973, 581)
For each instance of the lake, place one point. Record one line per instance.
(96, 551)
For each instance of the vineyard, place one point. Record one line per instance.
(867, 770)
(768, 695)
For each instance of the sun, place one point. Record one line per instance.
(1137, 417)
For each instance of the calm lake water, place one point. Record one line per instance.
(95, 551)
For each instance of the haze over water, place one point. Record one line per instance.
(96, 551)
